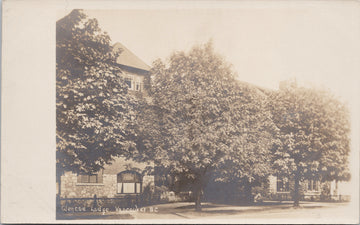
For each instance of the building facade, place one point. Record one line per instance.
(122, 177)
(280, 188)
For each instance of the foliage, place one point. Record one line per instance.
(201, 120)
(314, 135)
(250, 157)
(95, 113)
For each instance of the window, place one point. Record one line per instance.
(90, 178)
(129, 82)
(138, 86)
(282, 185)
(134, 82)
(313, 185)
(129, 182)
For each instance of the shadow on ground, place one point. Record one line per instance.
(230, 209)
(187, 210)
(91, 216)
(217, 204)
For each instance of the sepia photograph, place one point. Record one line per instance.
(182, 134)
(181, 112)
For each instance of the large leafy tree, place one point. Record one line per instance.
(249, 162)
(313, 142)
(94, 112)
(202, 121)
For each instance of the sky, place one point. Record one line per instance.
(317, 45)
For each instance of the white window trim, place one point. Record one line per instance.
(136, 191)
(131, 78)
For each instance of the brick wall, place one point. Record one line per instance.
(70, 188)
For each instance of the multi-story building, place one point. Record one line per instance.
(121, 177)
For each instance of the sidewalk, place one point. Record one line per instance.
(268, 212)
(210, 211)
(182, 210)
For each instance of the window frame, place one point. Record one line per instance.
(138, 86)
(136, 182)
(130, 79)
(313, 185)
(285, 185)
(84, 178)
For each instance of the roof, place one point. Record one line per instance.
(129, 59)
(260, 90)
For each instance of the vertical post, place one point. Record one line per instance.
(297, 190)
(95, 205)
(198, 194)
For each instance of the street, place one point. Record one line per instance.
(267, 212)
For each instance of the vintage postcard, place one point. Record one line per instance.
(180, 112)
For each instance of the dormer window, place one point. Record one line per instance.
(129, 81)
(134, 83)
(138, 86)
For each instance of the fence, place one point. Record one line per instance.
(71, 205)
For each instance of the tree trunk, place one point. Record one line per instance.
(248, 191)
(198, 195)
(199, 191)
(297, 191)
